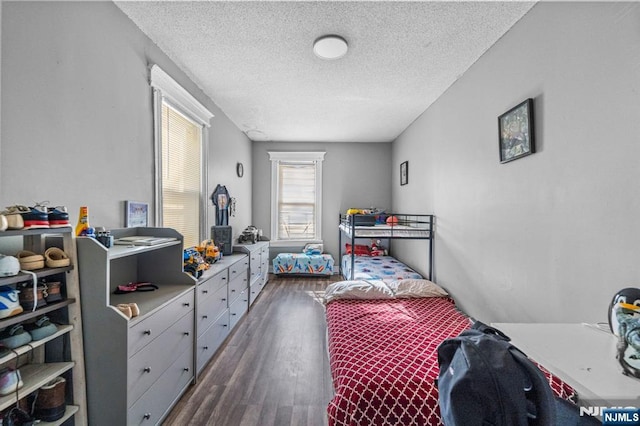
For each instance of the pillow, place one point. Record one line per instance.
(360, 249)
(357, 289)
(313, 248)
(408, 288)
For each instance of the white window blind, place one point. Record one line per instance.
(181, 124)
(181, 174)
(296, 196)
(297, 203)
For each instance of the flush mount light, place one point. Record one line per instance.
(330, 47)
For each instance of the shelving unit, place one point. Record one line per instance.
(140, 366)
(63, 352)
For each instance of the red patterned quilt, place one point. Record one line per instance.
(384, 362)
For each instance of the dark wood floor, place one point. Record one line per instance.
(273, 369)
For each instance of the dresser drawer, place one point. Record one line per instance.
(151, 327)
(211, 308)
(157, 401)
(146, 366)
(211, 340)
(239, 268)
(209, 287)
(239, 307)
(236, 286)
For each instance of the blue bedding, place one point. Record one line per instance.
(301, 263)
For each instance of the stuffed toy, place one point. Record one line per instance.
(624, 321)
(377, 249)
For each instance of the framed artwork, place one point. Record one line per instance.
(515, 132)
(135, 214)
(404, 173)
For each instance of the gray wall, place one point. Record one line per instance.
(77, 118)
(550, 237)
(354, 175)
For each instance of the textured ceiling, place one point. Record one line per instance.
(255, 59)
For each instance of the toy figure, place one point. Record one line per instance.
(624, 321)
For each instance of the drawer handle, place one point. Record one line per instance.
(233, 314)
(186, 333)
(205, 316)
(224, 325)
(224, 278)
(147, 370)
(185, 304)
(206, 348)
(233, 290)
(205, 291)
(233, 272)
(147, 416)
(147, 332)
(186, 369)
(224, 300)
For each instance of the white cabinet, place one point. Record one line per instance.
(258, 266)
(61, 353)
(138, 367)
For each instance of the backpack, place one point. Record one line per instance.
(485, 380)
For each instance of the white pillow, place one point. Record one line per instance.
(416, 288)
(357, 289)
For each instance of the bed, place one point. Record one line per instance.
(385, 226)
(382, 343)
(303, 264)
(385, 268)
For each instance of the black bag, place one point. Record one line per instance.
(485, 380)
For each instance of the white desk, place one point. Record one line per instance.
(581, 355)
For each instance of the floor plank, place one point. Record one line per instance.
(273, 368)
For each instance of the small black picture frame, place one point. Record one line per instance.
(516, 132)
(404, 173)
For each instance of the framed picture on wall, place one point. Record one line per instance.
(515, 132)
(404, 173)
(135, 214)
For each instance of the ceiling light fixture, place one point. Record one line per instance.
(330, 47)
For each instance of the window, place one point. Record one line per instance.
(296, 186)
(181, 123)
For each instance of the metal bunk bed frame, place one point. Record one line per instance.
(350, 225)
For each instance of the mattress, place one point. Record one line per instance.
(383, 359)
(386, 231)
(301, 263)
(385, 268)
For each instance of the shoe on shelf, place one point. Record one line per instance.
(30, 260)
(56, 258)
(129, 310)
(13, 215)
(50, 402)
(32, 217)
(10, 381)
(53, 291)
(9, 266)
(26, 296)
(15, 336)
(40, 329)
(9, 304)
(58, 217)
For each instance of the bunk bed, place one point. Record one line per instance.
(391, 226)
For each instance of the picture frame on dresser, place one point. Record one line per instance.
(136, 214)
(516, 132)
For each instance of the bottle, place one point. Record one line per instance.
(83, 221)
